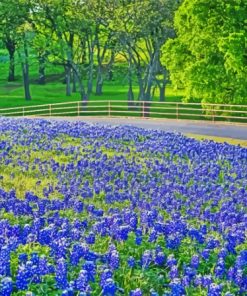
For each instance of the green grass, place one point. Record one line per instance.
(12, 93)
(231, 141)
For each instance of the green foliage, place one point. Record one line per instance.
(209, 56)
(91, 42)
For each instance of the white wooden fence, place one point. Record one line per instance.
(144, 109)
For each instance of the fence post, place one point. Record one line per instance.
(50, 110)
(78, 108)
(23, 111)
(213, 119)
(177, 111)
(109, 108)
(143, 109)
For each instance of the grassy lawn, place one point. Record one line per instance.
(12, 93)
(231, 141)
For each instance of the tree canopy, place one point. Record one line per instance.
(209, 55)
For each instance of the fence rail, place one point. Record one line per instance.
(144, 109)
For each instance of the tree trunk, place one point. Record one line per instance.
(10, 45)
(90, 85)
(69, 64)
(83, 94)
(148, 93)
(162, 92)
(25, 71)
(141, 88)
(90, 71)
(130, 95)
(41, 69)
(147, 98)
(68, 78)
(150, 77)
(109, 76)
(99, 82)
(130, 90)
(90, 77)
(11, 76)
(85, 100)
(74, 80)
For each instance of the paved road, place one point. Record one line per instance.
(182, 126)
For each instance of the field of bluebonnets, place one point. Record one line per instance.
(99, 210)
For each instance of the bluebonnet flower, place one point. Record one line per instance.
(173, 273)
(22, 278)
(6, 286)
(43, 265)
(223, 253)
(114, 260)
(195, 260)
(173, 242)
(241, 260)
(153, 293)
(109, 288)
(176, 287)
(61, 274)
(198, 280)
(171, 260)
(186, 281)
(160, 258)
(146, 258)
(90, 239)
(90, 267)
(106, 274)
(34, 258)
(136, 292)
(131, 262)
(205, 254)
(189, 271)
(238, 277)
(212, 243)
(22, 258)
(197, 235)
(82, 282)
(138, 240)
(5, 261)
(184, 181)
(123, 232)
(206, 281)
(214, 290)
(220, 268)
(35, 274)
(153, 236)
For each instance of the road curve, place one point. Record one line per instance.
(182, 126)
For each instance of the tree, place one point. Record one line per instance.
(100, 41)
(209, 56)
(23, 53)
(142, 28)
(65, 26)
(13, 14)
